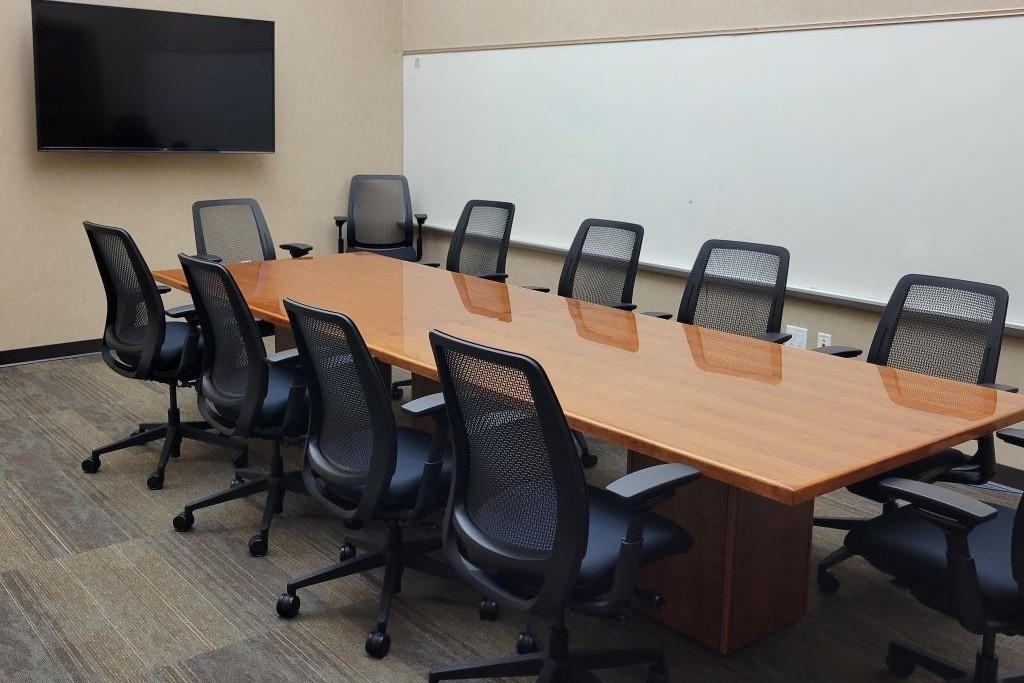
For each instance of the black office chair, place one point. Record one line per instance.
(737, 287)
(479, 247)
(139, 343)
(600, 267)
(523, 526)
(243, 393)
(236, 231)
(601, 264)
(380, 218)
(362, 466)
(957, 556)
(944, 328)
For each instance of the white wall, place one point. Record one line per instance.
(869, 152)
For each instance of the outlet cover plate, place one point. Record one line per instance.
(799, 339)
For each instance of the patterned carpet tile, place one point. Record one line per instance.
(96, 586)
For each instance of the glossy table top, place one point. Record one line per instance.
(785, 423)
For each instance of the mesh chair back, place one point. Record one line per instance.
(601, 264)
(379, 211)
(736, 287)
(942, 327)
(352, 427)
(518, 499)
(135, 313)
(479, 245)
(234, 377)
(233, 229)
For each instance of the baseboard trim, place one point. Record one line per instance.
(34, 354)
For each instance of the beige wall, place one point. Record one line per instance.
(446, 24)
(339, 112)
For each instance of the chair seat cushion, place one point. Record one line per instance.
(905, 545)
(169, 356)
(175, 334)
(269, 420)
(413, 449)
(926, 469)
(404, 253)
(279, 384)
(609, 520)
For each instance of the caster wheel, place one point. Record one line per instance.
(525, 644)
(657, 673)
(155, 481)
(257, 546)
(241, 460)
(347, 552)
(288, 605)
(900, 663)
(827, 583)
(488, 610)
(588, 459)
(377, 644)
(91, 465)
(184, 521)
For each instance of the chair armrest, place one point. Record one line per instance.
(162, 289)
(642, 486)
(296, 249)
(432, 264)
(421, 218)
(621, 305)
(340, 220)
(840, 351)
(642, 490)
(211, 258)
(494, 277)
(939, 501)
(658, 314)
(425, 406)
(1008, 388)
(775, 337)
(537, 289)
(286, 357)
(184, 311)
(1012, 436)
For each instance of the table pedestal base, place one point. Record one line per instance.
(747, 573)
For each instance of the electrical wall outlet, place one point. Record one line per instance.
(799, 339)
(824, 339)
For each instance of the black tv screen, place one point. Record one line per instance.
(110, 78)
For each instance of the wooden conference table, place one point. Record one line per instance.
(770, 427)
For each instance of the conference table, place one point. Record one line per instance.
(769, 427)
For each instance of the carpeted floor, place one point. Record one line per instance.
(95, 585)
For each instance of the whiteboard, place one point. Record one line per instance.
(868, 152)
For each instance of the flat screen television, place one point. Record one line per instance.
(117, 79)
